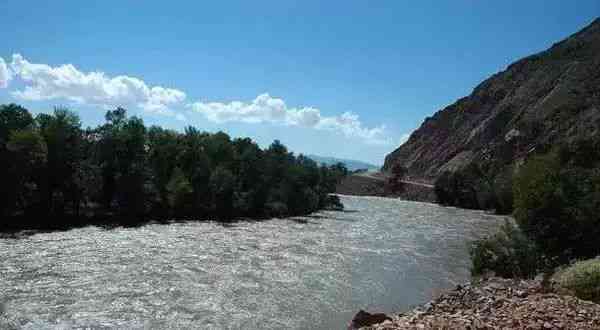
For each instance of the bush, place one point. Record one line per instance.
(468, 188)
(334, 202)
(503, 191)
(557, 205)
(582, 279)
(276, 209)
(509, 253)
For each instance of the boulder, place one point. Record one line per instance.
(365, 319)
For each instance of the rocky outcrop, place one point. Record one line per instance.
(499, 304)
(539, 100)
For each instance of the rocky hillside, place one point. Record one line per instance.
(537, 101)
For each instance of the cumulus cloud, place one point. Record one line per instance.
(265, 108)
(5, 74)
(44, 82)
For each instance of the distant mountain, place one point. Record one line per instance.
(541, 100)
(352, 165)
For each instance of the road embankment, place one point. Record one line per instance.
(375, 184)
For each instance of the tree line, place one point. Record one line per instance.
(54, 173)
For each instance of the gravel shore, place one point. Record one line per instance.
(497, 303)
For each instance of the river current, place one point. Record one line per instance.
(303, 273)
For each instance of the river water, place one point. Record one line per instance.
(311, 272)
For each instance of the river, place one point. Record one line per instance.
(311, 272)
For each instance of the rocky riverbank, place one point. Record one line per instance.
(492, 303)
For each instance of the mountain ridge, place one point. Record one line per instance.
(539, 100)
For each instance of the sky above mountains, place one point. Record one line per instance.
(347, 79)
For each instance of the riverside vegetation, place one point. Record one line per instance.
(555, 199)
(57, 174)
(557, 213)
(545, 257)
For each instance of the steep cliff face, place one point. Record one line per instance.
(542, 99)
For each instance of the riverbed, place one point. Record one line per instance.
(315, 272)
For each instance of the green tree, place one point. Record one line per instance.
(12, 118)
(28, 160)
(557, 204)
(62, 135)
(179, 190)
(222, 183)
(196, 165)
(163, 152)
(469, 187)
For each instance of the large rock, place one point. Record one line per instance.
(539, 100)
(365, 319)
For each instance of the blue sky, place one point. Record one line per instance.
(348, 79)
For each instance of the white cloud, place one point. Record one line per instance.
(5, 74)
(265, 108)
(44, 82)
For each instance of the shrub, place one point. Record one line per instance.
(557, 206)
(334, 202)
(395, 182)
(509, 253)
(276, 209)
(468, 188)
(443, 188)
(503, 192)
(582, 279)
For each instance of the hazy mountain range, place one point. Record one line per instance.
(351, 164)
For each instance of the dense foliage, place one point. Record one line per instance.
(557, 209)
(557, 200)
(53, 171)
(471, 188)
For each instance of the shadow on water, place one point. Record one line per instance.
(18, 227)
(347, 211)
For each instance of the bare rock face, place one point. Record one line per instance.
(542, 99)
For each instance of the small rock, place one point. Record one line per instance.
(521, 293)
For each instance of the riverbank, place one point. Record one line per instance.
(495, 303)
(12, 225)
(374, 184)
